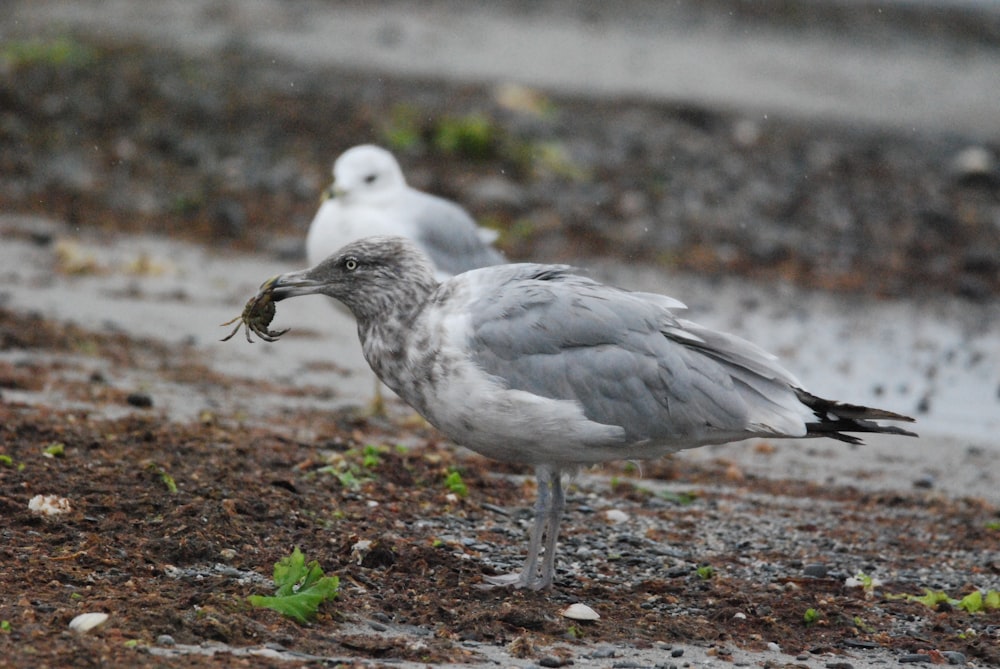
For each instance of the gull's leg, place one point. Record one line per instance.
(557, 503)
(529, 573)
(540, 527)
(377, 407)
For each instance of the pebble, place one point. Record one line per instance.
(616, 516)
(973, 162)
(87, 621)
(580, 612)
(914, 657)
(773, 647)
(140, 400)
(954, 657)
(553, 661)
(676, 652)
(839, 665)
(816, 570)
(165, 640)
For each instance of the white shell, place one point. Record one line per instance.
(87, 621)
(580, 612)
(50, 505)
(615, 516)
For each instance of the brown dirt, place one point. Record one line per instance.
(247, 490)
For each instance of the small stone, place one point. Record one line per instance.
(773, 647)
(85, 622)
(677, 652)
(553, 661)
(926, 482)
(140, 400)
(616, 516)
(975, 165)
(954, 657)
(816, 570)
(914, 657)
(839, 665)
(165, 640)
(580, 612)
(739, 615)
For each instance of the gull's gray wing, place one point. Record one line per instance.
(628, 361)
(449, 236)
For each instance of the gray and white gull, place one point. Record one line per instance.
(369, 196)
(536, 364)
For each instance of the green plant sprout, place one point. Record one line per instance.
(403, 130)
(810, 616)
(371, 456)
(301, 588)
(6, 460)
(705, 572)
(974, 602)
(167, 479)
(860, 623)
(454, 483)
(471, 136)
(679, 498)
(56, 449)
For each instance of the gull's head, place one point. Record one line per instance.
(367, 173)
(373, 277)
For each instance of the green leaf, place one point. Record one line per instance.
(992, 600)
(301, 588)
(972, 602)
(453, 482)
(932, 598)
(56, 449)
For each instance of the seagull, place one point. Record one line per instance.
(369, 196)
(539, 365)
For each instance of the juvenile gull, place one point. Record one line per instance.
(370, 196)
(534, 364)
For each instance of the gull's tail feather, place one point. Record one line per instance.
(834, 419)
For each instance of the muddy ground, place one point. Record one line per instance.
(171, 526)
(117, 138)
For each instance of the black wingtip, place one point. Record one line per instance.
(837, 419)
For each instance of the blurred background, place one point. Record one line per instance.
(844, 148)
(842, 144)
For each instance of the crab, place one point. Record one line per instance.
(257, 315)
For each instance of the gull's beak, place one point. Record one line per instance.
(290, 284)
(331, 192)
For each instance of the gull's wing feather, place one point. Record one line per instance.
(628, 362)
(448, 235)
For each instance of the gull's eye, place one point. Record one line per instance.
(350, 264)
(370, 179)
